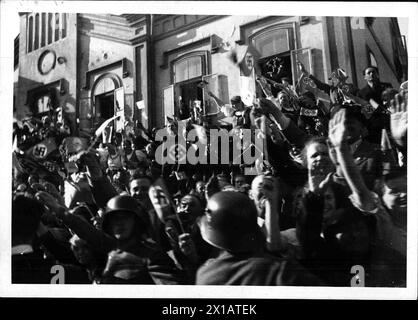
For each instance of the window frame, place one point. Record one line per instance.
(291, 35)
(204, 56)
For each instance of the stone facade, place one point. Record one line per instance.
(90, 62)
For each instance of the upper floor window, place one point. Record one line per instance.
(273, 41)
(43, 29)
(188, 68)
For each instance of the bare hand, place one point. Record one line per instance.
(338, 129)
(51, 204)
(187, 246)
(399, 117)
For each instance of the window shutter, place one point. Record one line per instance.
(168, 102)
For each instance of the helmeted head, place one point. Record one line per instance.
(230, 223)
(124, 218)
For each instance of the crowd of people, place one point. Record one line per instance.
(330, 194)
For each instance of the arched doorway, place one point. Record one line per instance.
(103, 97)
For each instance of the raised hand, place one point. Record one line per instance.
(267, 106)
(51, 204)
(338, 129)
(187, 246)
(399, 117)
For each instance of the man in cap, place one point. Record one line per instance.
(230, 224)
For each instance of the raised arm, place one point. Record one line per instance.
(341, 148)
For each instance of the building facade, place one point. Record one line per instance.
(144, 68)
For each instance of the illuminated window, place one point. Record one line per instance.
(44, 104)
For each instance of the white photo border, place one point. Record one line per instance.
(9, 11)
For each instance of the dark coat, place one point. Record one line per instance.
(375, 93)
(259, 269)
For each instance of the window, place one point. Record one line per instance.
(30, 35)
(64, 26)
(43, 29)
(36, 46)
(50, 28)
(57, 26)
(44, 104)
(188, 68)
(272, 42)
(43, 32)
(187, 72)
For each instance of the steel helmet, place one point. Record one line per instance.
(124, 203)
(230, 223)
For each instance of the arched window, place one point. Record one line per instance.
(273, 41)
(30, 35)
(189, 67)
(104, 85)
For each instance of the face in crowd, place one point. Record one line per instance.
(395, 195)
(200, 188)
(239, 182)
(81, 251)
(335, 80)
(127, 146)
(318, 160)
(139, 188)
(239, 106)
(189, 208)
(222, 181)
(283, 100)
(122, 225)
(371, 74)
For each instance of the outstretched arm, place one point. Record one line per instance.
(344, 158)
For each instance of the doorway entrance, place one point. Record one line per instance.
(186, 93)
(105, 106)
